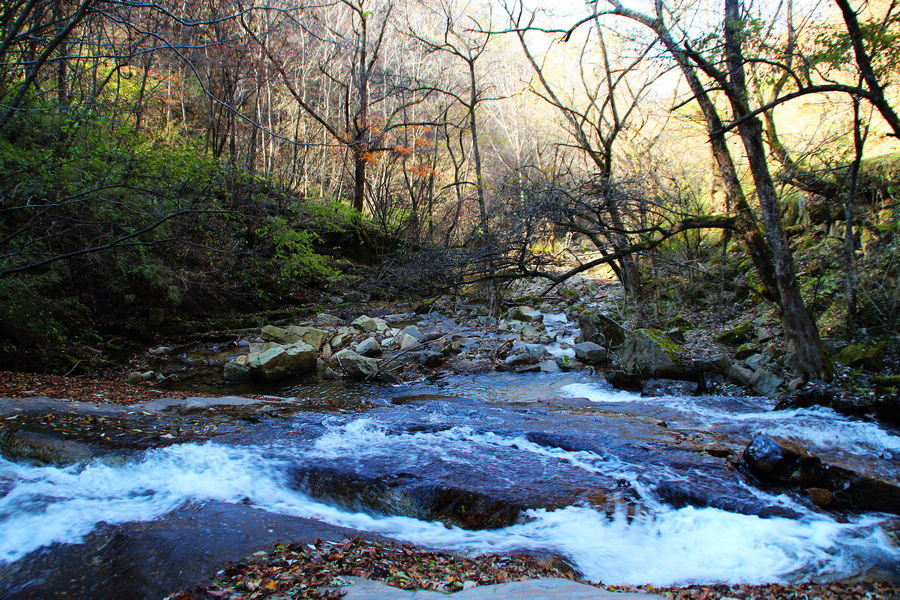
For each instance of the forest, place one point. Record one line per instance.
(594, 292)
(186, 158)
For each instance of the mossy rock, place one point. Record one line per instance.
(863, 356)
(648, 353)
(737, 335)
(745, 351)
(526, 314)
(681, 323)
(570, 295)
(886, 381)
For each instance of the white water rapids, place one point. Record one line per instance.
(663, 545)
(488, 441)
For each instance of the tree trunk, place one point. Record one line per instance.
(799, 327)
(851, 281)
(359, 180)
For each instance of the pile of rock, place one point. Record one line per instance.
(352, 349)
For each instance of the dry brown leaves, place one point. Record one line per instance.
(860, 590)
(102, 391)
(307, 571)
(314, 571)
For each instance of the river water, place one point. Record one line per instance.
(627, 489)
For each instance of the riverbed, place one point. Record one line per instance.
(626, 489)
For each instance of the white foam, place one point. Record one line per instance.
(820, 428)
(596, 393)
(46, 504)
(50, 504)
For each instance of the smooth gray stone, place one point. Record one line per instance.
(534, 589)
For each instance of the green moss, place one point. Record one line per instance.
(681, 323)
(568, 294)
(886, 381)
(861, 356)
(737, 335)
(744, 351)
(664, 342)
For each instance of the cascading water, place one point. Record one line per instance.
(495, 434)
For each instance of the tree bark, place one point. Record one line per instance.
(799, 327)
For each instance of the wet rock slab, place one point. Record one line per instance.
(536, 589)
(150, 560)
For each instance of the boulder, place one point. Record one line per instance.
(344, 335)
(565, 362)
(681, 323)
(739, 375)
(736, 335)
(310, 335)
(832, 486)
(356, 365)
(783, 462)
(412, 331)
(629, 382)
(676, 335)
(600, 329)
(279, 335)
(431, 359)
(530, 332)
(821, 497)
(43, 448)
(812, 393)
(284, 361)
(527, 314)
(405, 341)
(238, 370)
(756, 361)
(368, 324)
(649, 353)
(590, 353)
(369, 347)
(860, 492)
(549, 366)
(862, 356)
(716, 363)
(523, 359)
(745, 351)
(327, 319)
(765, 383)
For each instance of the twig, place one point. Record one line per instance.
(70, 371)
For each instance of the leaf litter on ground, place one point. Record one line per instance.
(315, 572)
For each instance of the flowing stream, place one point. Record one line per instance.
(627, 489)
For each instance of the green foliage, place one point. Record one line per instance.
(78, 180)
(834, 48)
(294, 257)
